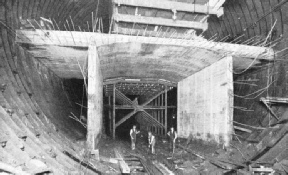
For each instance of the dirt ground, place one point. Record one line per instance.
(181, 162)
(189, 158)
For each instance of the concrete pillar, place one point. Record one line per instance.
(205, 104)
(95, 99)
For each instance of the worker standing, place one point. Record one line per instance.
(133, 133)
(173, 136)
(151, 141)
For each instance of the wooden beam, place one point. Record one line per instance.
(123, 165)
(160, 21)
(163, 114)
(153, 119)
(162, 168)
(142, 80)
(269, 108)
(114, 116)
(110, 116)
(140, 107)
(142, 32)
(126, 118)
(152, 98)
(166, 111)
(215, 4)
(274, 99)
(123, 97)
(95, 98)
(169, 5)
(242, 129)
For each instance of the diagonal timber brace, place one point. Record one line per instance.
(152, 98)
(153, 119)
(137, 108)
(266, 102)
(149, 119)
(126, 117)
(122, 98)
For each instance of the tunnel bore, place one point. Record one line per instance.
(36, 102)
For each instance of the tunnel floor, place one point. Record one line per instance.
(189, 157)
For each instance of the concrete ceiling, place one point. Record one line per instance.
(134, 56)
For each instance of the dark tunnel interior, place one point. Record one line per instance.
(78, 95)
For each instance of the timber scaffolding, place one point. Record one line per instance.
(151, 112)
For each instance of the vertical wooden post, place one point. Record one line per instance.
(158, 114)
(166, 99)
(110, 116)
(114, 116)
(95, 99)
(162, 113)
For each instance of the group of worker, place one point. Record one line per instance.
(152, 140)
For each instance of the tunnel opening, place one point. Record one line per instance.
(123, 131)
(77, 94)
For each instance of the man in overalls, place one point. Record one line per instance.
(172, 138)
(151, 141)
(133, 133)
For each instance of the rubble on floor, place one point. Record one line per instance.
(267, 155)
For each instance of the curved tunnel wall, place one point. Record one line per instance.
(250, 18)
(255, 19)
(35, 106)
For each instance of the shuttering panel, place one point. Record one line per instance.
(205, 103)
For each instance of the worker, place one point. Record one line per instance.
(133, 133)
(172, 138)
(135, 101)
(151, 141)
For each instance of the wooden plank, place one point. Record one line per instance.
(161, 167)
(160, 21)
(142, 107)
(242, 129)
(110, 116)
(125, 118)
(123, 97)
(123, 165)
(142, 80)
(275, 99)
(166, 111)
(153, 119)
(114, 115)
(216, 4)
(152, 98)
(169, 5)
(142, 32)
(276, 151)
(163, 113)
(269, 108)
(95, 98)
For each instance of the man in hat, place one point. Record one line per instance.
(172, 138)
(133, 133)
(151, 141)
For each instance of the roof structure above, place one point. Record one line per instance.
(171, 59)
